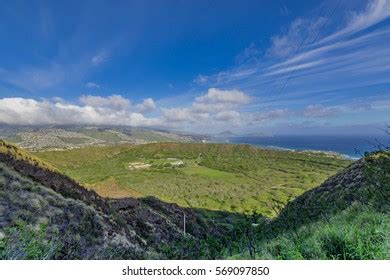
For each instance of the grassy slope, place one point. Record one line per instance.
(217, 176)
(19, 154)
(358, 232)
(347, 217)
(38, 223)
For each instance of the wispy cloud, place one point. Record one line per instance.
(249, 54)
(284, 10)
(295, 71)
(100, 58)
(35, 78)
(318, 111)
(294, 68)
(376, 11)
(92, 85)
(301, 32)
(57, 71)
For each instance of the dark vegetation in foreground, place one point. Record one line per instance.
(46, 215)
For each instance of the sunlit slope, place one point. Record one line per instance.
(20, 154)
(212, 176)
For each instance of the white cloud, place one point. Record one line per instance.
(201, 79)
(216, 104)
(249, 54)
(112, 101)
(296, 67)
(203, 107)
(318, 52)
(113, 110)
(147, 106)
(177, 114)
(227, 76)
(375, 12)
(23, 111)
(300, 33)
(116, 110)
(100, 58)
(216, 100)
(92, 85)
(227, 116)
(217, 96)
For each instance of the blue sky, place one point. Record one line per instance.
(281, 67)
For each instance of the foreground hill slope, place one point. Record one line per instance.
(367, 181)
(44, 214)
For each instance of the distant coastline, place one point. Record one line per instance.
(347, 146)
(331, 153)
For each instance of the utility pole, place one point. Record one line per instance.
(184, 223)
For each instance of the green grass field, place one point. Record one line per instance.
(237, 178)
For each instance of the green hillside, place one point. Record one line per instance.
(347, 217)
(236, 178)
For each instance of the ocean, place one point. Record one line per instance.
(351, 146)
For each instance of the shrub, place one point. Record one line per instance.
(24, 242)
(359, 232)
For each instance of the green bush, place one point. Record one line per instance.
(359, 232)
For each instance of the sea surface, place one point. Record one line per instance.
(351, 146)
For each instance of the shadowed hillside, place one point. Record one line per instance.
(367, 181)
